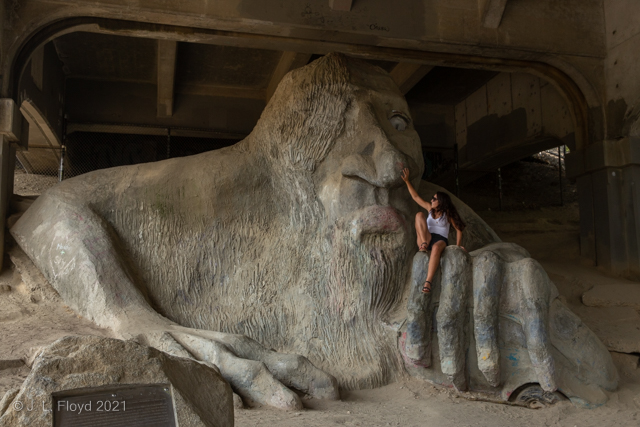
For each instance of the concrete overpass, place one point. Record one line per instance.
(499, 78)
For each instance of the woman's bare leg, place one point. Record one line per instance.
(421, 229)
(434, 261)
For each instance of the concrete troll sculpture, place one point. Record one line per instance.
(299, 238)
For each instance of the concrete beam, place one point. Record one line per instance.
(407, 75)
(151, 130)
(343, 5)
(491, 12)
(288, 61)
(167, 50)
(36, 119)
(222, 91)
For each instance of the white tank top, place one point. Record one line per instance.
(438, 226)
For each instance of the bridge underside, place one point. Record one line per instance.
(487, 82)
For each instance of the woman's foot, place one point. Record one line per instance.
(423, 247)
(426, 289)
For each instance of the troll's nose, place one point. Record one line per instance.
(380, 164)
(389, 162)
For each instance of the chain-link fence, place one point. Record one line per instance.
(103, 147)
(39, 160)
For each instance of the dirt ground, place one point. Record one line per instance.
(31, 317)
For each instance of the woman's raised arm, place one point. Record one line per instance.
(414, 194)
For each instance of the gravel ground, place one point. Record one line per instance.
(28, 184)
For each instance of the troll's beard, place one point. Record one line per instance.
(365, 280)
(366, 274)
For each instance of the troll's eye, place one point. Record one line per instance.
(399, 121)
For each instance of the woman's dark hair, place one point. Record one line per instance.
(446, 205)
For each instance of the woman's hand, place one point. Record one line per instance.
(412, 191)
(405, 175)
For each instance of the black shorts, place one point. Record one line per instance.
(437, 238)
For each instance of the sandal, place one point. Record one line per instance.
(426, 289)
(423, 247)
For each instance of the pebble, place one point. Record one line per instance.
(5, 288)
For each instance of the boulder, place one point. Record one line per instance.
(98, 366)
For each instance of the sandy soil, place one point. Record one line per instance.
(30, 317)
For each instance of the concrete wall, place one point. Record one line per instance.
(43, 84)
(514, 115)
(622, 68)
(608, 169)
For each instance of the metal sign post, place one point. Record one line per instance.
(560, 174)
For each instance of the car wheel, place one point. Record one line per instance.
(534, 397)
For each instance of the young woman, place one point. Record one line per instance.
(433, 229)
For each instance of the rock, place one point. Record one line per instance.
(32, 277)
(5, 288)
(31, 355)
(200, 395)
(617, 327)
(627, 365)
(613, 295)
(7, 399)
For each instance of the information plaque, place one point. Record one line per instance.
(122, 406)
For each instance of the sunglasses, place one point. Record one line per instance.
(434, 199)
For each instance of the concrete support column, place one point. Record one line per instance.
(10, 132)
(6, 187)
(608, 179)
(587, 222)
